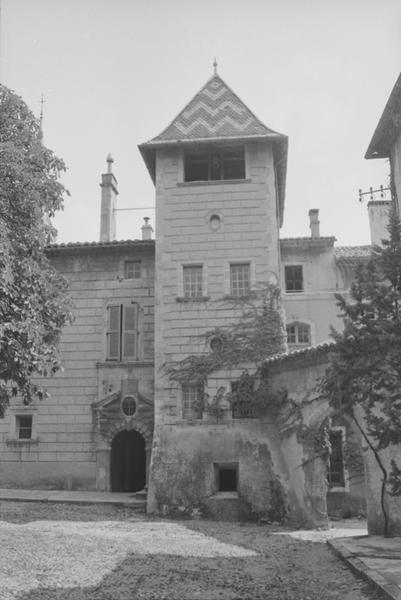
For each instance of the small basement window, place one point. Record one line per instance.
(226, 477)
(214, 163)
(24, 427)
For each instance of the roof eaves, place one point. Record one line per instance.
(388, 127)
(308, 241)
(115, 244)
(311, 352)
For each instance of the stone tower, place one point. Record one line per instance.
(219, 175)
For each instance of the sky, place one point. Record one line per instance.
(115, 73)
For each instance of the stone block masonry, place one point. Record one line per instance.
(61, 453)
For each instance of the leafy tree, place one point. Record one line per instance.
(257, 333)
(34, 306)
(364, 375)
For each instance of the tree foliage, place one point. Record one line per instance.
(257, 333)
(34, 305)
(365, 367)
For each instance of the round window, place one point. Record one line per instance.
(216, 344)
(214, 222)
(129, 406)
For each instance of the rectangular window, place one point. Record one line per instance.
(226, 477)
(132, 269)
(122, 332)
(294, 281)
(192, 398)
(24, 427)
(214, 164)
(241, 405)
(192, 281)
(298, 333)
(335, 473)
(240, 279)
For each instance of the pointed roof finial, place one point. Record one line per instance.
(215, 66)
(110, 161)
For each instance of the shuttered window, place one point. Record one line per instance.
(122, 332)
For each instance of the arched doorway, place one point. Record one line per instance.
(128, 462)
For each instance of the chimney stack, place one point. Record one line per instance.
(109, 198)
(314, 222)
(378, 211)
(147, 229)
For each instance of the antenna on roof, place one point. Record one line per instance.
(215, 66)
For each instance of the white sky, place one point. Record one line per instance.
(115, 73)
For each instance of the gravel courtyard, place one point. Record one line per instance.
(51, 551)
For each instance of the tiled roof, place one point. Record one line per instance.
(348, 254)
(111, 245)
(308, 241)
(388, 127)
(215, 112)
(310, 352)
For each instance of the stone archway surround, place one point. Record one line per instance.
(103, 449)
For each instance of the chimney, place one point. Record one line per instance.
(314, 222)
(378, 211)
(147, 229)
(109, 198)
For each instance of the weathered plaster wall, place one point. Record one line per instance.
(373, 493)
(306, 473)
(185, 477)
(61, 455)
(316, 304)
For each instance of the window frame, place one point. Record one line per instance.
(189, 412)
(122, 331)
(188, 269)
(297, 290)
(20, 411)
(206, 157)
(232, 266)
(297, 325)
(225, 466)
(136, 270)
(22, 428)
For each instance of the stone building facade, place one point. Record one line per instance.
(114, 420)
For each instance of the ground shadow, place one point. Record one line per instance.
(284, 569)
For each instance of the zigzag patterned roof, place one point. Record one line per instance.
(215, 112)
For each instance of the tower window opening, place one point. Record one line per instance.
(214, 164)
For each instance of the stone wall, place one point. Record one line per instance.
(61, 453)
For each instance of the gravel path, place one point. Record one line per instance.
(104, 553)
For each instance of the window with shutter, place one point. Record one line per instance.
(129, 331)
(113, 332)
(122, 332)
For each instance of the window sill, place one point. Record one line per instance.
(293, 292)
(17, 442)
(233, 298)
(126, 363)
(184, 299)
(224, 496)
(212, 182)
(337, 489)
